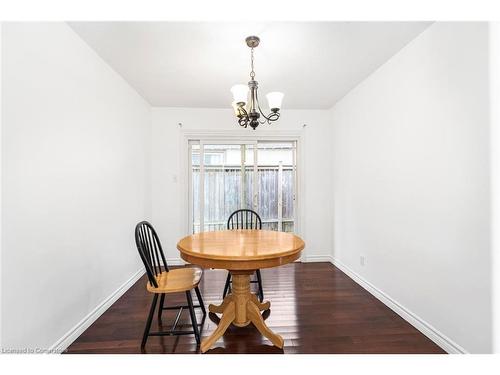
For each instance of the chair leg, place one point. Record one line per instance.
(226, 286)
(193, 317)
(148, 323)
(261, 291)
(200, 300)
(160, 308)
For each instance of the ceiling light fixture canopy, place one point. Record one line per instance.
(246, 101)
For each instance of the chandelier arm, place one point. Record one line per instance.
(243, 111)
(271, 117)
(243, 117)
(243, 121)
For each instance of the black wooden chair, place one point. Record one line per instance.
(244, 219)
(167, 281)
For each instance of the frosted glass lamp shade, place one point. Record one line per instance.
(240, 93)
(274, 99)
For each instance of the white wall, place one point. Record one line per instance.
(168, 194)
(411, 181)
(494, 41)
(75, 181)
(1, 179)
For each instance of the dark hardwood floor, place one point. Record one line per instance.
(314, 306)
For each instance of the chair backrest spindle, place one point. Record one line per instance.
(150, 251)
(244, 219)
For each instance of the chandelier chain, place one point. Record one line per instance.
(252, 73)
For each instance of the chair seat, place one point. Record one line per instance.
(178, 280)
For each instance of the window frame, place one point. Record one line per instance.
(189, 137)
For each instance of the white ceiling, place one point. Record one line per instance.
(194, 64)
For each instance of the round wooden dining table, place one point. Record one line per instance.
(241, 252)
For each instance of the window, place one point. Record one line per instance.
(257, 175)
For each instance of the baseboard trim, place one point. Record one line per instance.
(175, 262)
(428, 330)
(316, 258)
(68, 338)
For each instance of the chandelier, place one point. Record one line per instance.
(246, 100)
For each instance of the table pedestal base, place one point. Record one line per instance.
(240, 308)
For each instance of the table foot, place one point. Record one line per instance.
(227, 318)
(253, 314)
(219, 309)
(261, 305)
